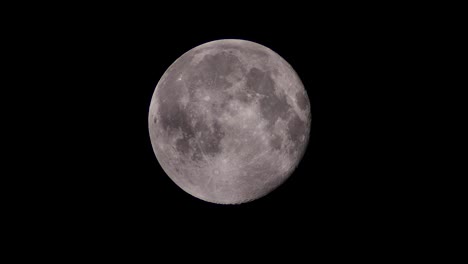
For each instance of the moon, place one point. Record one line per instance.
(229, 121)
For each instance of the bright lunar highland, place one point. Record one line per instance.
(229, 121)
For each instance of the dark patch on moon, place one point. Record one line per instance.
(275, 142)
(171, 114)
(296, 129)
(197, 154)
(176, 120)
(210, 139)
(260, 82)
(272, 107)
(183, 144)
(301, 100)
(211, 71)
(243, 97)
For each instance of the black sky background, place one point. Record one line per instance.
(98, 70)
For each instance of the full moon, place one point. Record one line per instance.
(229, 121)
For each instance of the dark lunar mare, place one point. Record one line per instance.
(175, 117)
(262, 86)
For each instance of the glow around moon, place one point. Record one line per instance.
(229, 121)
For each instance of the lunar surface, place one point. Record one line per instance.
(229, 121)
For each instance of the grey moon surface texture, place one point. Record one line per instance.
(229, 121)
